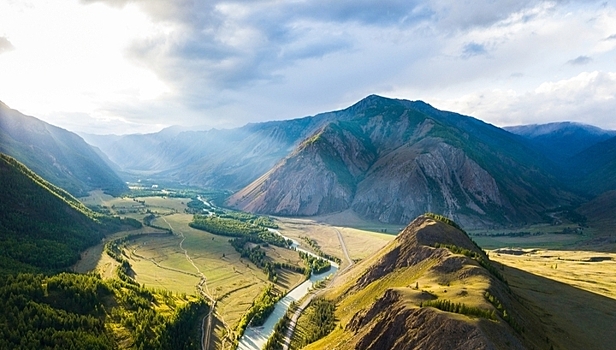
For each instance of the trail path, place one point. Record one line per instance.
(206, 330)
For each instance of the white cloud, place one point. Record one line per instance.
(151, 63)
(589, 97)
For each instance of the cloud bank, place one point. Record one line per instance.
(226, 63)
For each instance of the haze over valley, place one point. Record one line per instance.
(274, 187)
(307, 175)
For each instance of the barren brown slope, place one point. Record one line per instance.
(379, 301)
(394, 161)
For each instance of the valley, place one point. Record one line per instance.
(381, 225)
(158, 262)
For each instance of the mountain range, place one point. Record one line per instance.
(59, 156)
(396, 159)
(387, 160)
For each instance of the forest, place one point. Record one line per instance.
(72, 311)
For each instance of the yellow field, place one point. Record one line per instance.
(360, 243)
(573, 292)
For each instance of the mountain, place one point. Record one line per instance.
(60, 156)
(228, 158)
(594, 168)
(42, 227)
(430, 288)
(391, 160)
(561, 141)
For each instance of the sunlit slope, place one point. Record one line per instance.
(379, 301)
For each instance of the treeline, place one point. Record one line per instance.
(250, 218)
(260, 310)
(503, 313)
(213, 195)
(317, 265)
(72, 311)
(317, 249)
(444, 220)
(225, 226)
(258, 257)
(276, 340)
(148, 219)
(481, 259)
(235, 228)
(459, 308)
(320, 320)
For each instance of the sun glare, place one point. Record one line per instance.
(72, 65)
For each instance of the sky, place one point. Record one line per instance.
(137, 66)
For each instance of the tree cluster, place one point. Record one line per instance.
(317, 265)
(320, 320)
(260, 310)
(317, 249)
(459, 308)
(503, 313)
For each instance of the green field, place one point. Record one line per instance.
(158, 261)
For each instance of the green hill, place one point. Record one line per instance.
(430, 288)
(42, 227)
(42, 231)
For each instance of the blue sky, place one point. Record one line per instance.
(121, 66)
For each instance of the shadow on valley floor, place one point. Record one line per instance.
(572, 318)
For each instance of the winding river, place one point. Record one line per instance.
(254, 338)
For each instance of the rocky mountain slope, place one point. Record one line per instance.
(59, 156)
(394, 159)
(397, 298)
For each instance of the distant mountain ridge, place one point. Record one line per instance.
(562, 140)
(386, 159)
(60, 156)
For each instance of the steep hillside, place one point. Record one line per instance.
(61, 157)
(411, 295)
(395, 159)
(42, 227)
(595, 167)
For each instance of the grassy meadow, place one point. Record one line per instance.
(573, 293)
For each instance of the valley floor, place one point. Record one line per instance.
(573, 293)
